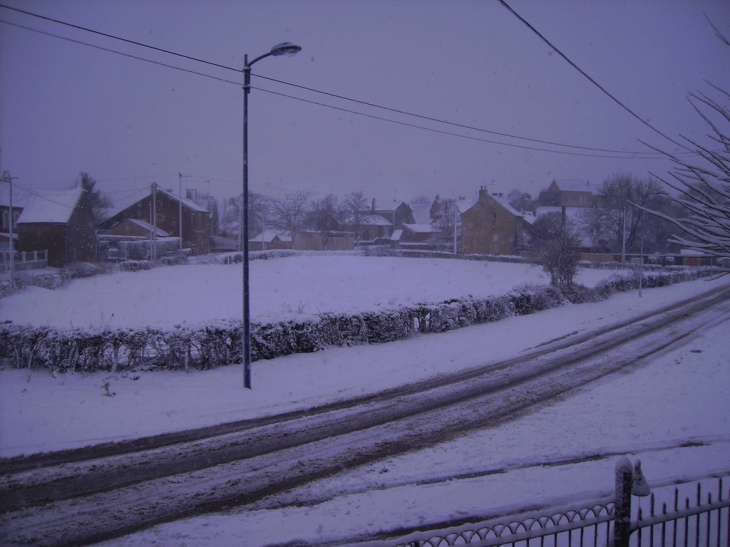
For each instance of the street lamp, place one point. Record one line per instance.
(285, 48)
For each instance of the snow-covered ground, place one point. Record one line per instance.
(677, 399)
(672, 413)
(308, 284)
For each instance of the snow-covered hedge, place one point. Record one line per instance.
(220, 344)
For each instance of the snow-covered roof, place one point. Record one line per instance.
(421, 212)
(529, 218)
(50, 206)
(574, 185)
(396, 235)
(503, 202)
(186, 202)
(464, 205)
(267, 236)
(122, 204)
(386, 204)
(375, 220)
(420, 228)
(147, 226)
(20, 197)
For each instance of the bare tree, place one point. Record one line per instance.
(614, 222)
(355, 209)
(257, 213)
(288, 215)
(703, 184)
(522, 201)
(325, 217)
(445, 221)
(556, 246)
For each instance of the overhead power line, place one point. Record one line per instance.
(454, 124)
(594, 82)
(522, 146)
(140, 44)
(119, 52)
(623, 153)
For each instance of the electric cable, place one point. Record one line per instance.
(636, 154)
(594, 82)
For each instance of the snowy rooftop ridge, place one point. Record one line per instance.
(574, 185)
(50, 206)
(420, 228)
(268, 236)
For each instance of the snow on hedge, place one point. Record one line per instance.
(218, 342)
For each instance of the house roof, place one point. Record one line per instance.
(503, 202)
(50, 206)
(147, 226)
(386, 204)
(128, 202)
(421, 212)
(375, 220)
(396, 235)
(420, 228)
(268, 236)
(467, 204)
(464, 205)
(573, 185)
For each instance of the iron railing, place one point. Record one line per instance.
(702, 522)
(698, 522)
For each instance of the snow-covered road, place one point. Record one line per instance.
(252, 478)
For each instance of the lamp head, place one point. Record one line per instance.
(285, 48)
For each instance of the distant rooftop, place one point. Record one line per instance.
(50, 206)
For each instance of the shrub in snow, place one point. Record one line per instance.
(102, 348)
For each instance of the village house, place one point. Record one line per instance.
(195, 218)
(491, 226)
(571, 193)
(394, 211)
(61, 222)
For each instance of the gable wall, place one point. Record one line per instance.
(488, 228)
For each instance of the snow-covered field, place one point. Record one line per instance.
(671, 412)
(309, 284)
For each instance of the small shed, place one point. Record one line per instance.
(62, 222)
(268, 240)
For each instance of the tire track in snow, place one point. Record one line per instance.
(327, 443)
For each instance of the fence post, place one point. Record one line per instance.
(622, 522)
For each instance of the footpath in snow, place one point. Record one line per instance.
(670, 412)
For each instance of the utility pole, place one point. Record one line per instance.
(179, 212)
(7, 178)
(153, 250)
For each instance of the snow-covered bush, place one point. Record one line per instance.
(103, 348)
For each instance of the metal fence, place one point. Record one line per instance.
(701, 519)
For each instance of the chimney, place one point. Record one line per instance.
(373, 206)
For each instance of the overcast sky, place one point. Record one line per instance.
(67, 107)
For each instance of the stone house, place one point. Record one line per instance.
(491, 226)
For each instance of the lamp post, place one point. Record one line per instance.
(285, 48)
